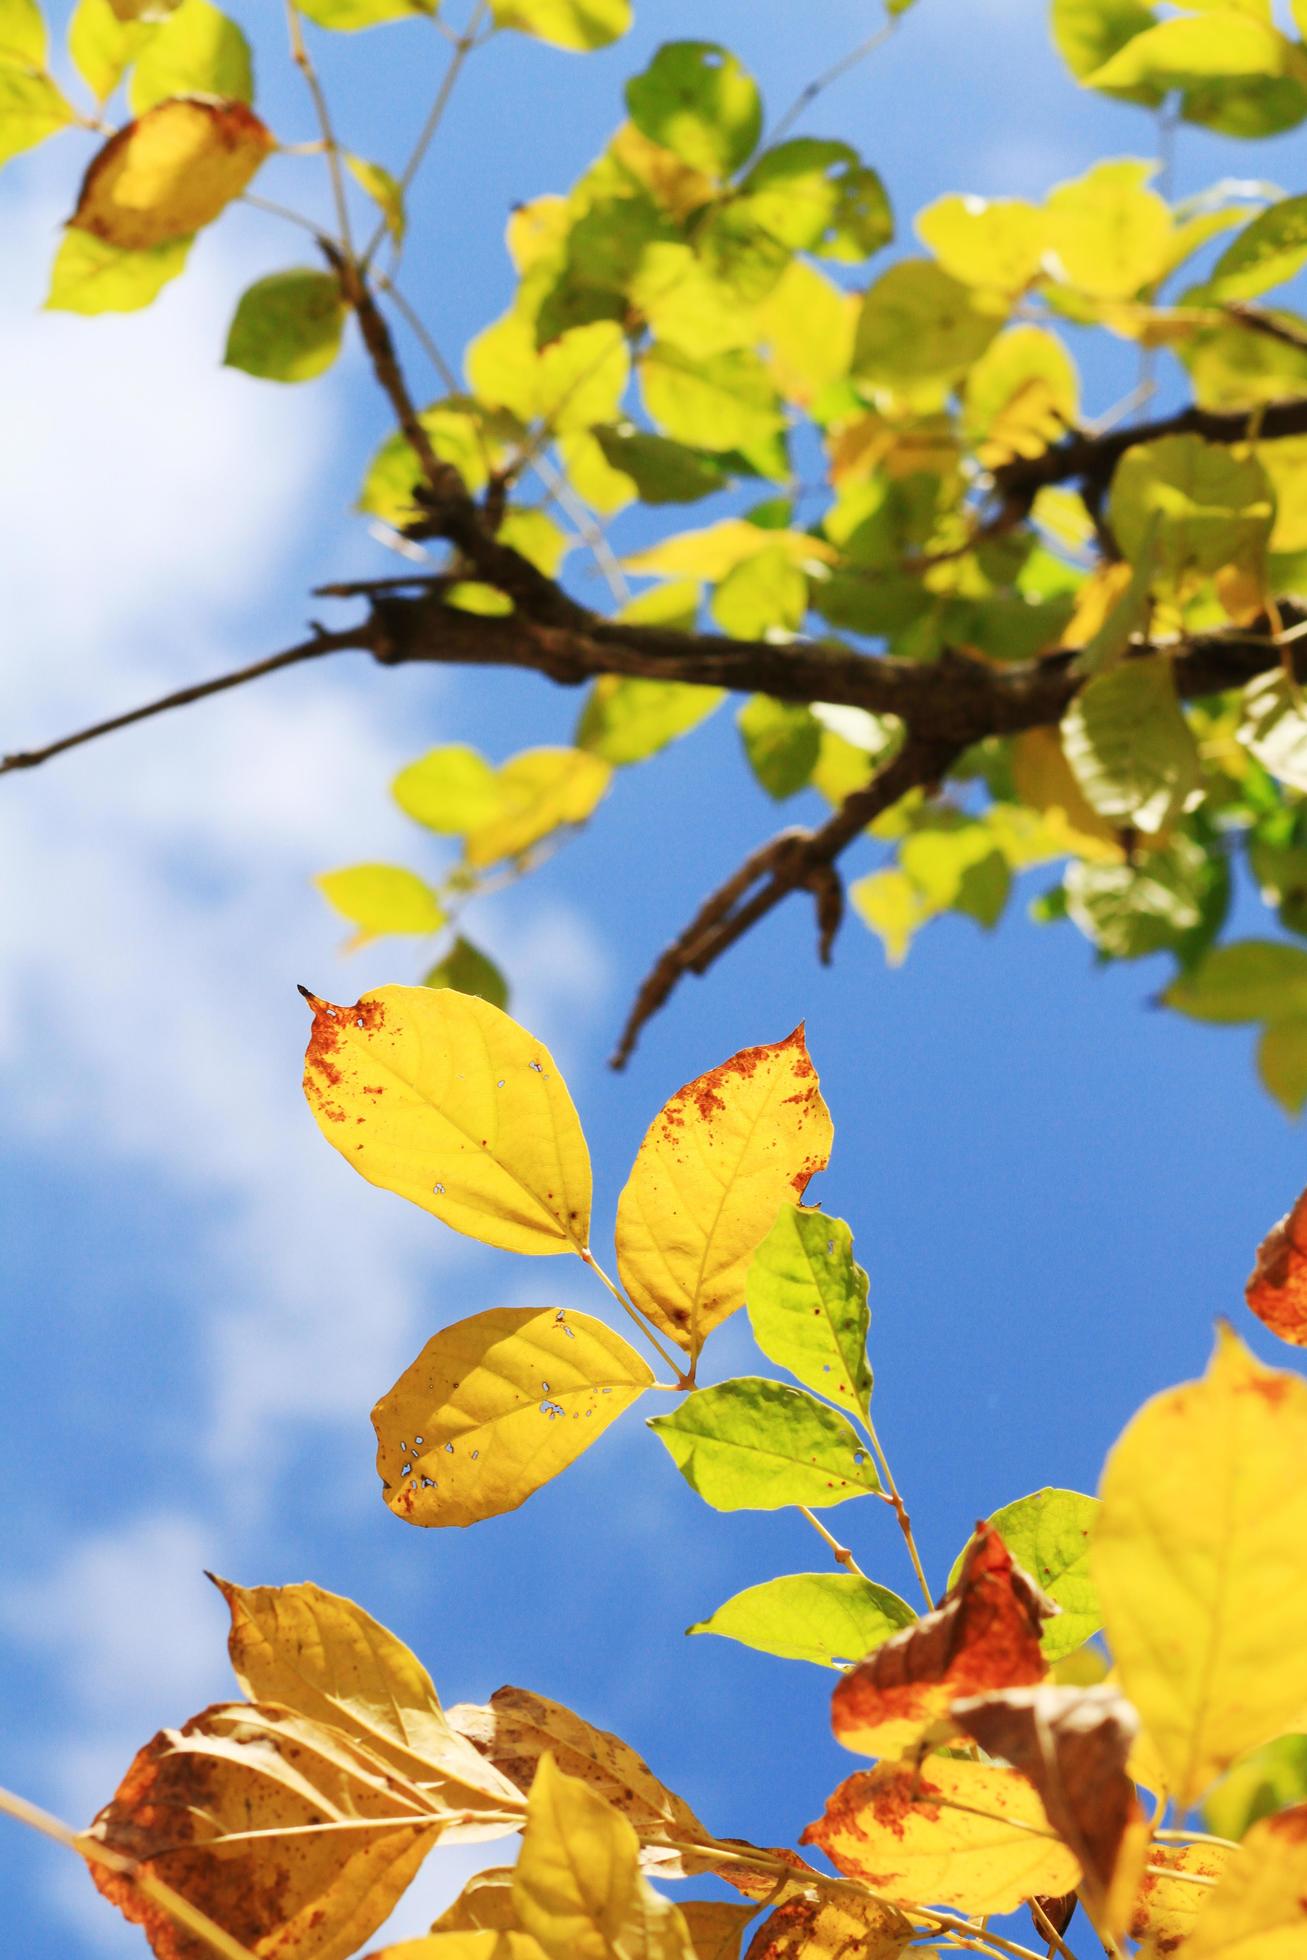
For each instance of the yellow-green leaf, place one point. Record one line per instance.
(626, 720)
(1109, 233)
(196, 51)
(444, 1100)
(1197, 1556)
(715, 1927)
(1129, 745)
(1047, 1534)
(1192, 508)
(22, 33)
(1274, 727)
(756, 1445)
(1269, 251)
(173, 170)
(459, 434)
(579, 379)
(983, 241)
(101, 45)
(919, 324)
(381, 898)
(807, 1300)
(696, 100)
(91, 276)
(495, 1406)
(1282, 1063)
(451, 790)
(347, 16)
(468, 970)
(714, 1168)
(31, 108)
(840, 1925)
(1248, 980)
(1087, 32)
(1270, 1779)
(287, 327)
(1222, 44)
(723, 401)
(539, 791)
(829, 1618)
(1259, 1909)
(578, 24)
(893, 907)
(763, 597)
(714, 551)
(1022, 395)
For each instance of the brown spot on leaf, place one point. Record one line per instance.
(1277, 1287)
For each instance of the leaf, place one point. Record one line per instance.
(918, 324)
(1151, 906)
(1282, 1064)
(467, 970)
(1274, 727)
(892, 906)
(496, 1406)
(696, 100)
(1222, 43)
(1249, 980)
(1268, 252)
(984, 241)
(451, 790)
(347, 16)
(807, 1302)
(1270, 1779)
(1259, 1909)
(755, 1445)
(984, 1634)
(896, 1828)
(196, 51)
(578, 1887)
(329, 1661)
(1197, 1559)
(287, 327)
(518, 1728)
(459, 433)
(662, 472)
(832, 1929)
(715, 1927)
(31, 108)
(22, 33)
(1047, 1535)
(577, 24)
(720, 402)
(1110, 235)
(1073, 1744)
(466, 1943)
(1087, 32)
(539, 791)
(829, 1618)
(782, 740)
(90, 276)
(1193, 508)
(626, 719)
(578, 380)
(484, 1905)
(1276, 1290)
(173, 170)
(186, 1808)
(1129, 745)
(817, 196)
(100, 45)
(1167, 1909)
(763, 598)
(715, 1165)
(1021, 396)
(716, 549)
(446, 1101)
(381, 898)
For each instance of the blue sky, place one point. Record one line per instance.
(1053, 1188)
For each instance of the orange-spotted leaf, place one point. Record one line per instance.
(714, 1169)
(1259, 1910)
(715, 1927)
(973, 1836)
(172, 171)
(495, 1406)
(984, 1635)
(444, 1099)
(1166, 1908)
(222, 1809)
(831, 1929)
(1277, 1288)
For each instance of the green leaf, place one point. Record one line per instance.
(451, 790)
(578, 380)
(818, 196)
(1270, 1779)
(576, 24)
(755, 1445)
(1251, 980)
(807, 1303)
(918, 324)
(1186, 53)
(782, 740)
(829, 1618)
(385, 190)
(346, 16)
(468, 970)
(958, 868)
(381, 898)
(1269, 251)
(22, 33)
(1087, 33)
(627, 720)
(893, 907)
(196, 51)
(460, 434)
(1129, 746)
(31, 108)
(91, 276)
(1131, 910)
(1282, 1063)
(762, 598)
(1048, 1534)
(1194, 507)
(726, 401)
(1274, 727)
(696, 100)
(287, 327)
(663, 472)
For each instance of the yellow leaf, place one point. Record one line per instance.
(718, 548)
(445, 1100)
(898, 1830)
(1109, 233)
(1021, 396)
(984, 242)
(325, 1658)
(1042, 778)
(893, 907)
(1197, 1556)
(171, 171)
(497, 1405)
(538, 792)
(715, 1926)
(189, 1806)
(464, 1943)
(484, 1905)
(1167, 1909)
(1259, 1910)
(714, 1169)
(832, 1929)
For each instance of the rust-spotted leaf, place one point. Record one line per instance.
(831, 1929)
(444, 1099)
(715, 1166)
(1259, 1910)
(496, 1406)
(1277, 1288)
(1172, 1894)
(172, 171)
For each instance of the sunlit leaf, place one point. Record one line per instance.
(755, 1445)
(1192, 507)
(382, 187)
(538, 792)
(1220, 44)
(717, 549)
(1167, 1908)
(1129, 745)
(817, 196)
(1044, 780)
(663, 472)
(1282, 1063)
(497, 1405)
(1109, 232)
(626, 719)
(1047, 1534)
(381, 898)
(484, 1905)
(782, 739)
(726, 401)
(1249, 980)
(896, 1827)
(1274, 727)
(287, 327)
(807, 1301)
(1270, 1779)
(578, 24)
(893, 907)
(100, 44)
(1154, 904)
(714, 1167)
(459, 434)
(22, 33)
(446, 1101)
(451, 790)
(575, 382)
(1269, 251)
(832, 1928)
(173, 170)
(468, 970)
(715, 1927)
(764, 597)
(1087, 33)
(829, 1618)
(1197, 1558)
(90, 276)
(1021, 396)
(31, 108)
(465, 1943)
(918, 324)
(983, 241)
(696, 100)
(197, 50)
(347, 15)
(1259, 1909)
(1277, 1289)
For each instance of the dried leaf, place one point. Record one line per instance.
(831, 1929)
(715, 1927)
(1277, 1288)
(172, 171)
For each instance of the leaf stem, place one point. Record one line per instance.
(301, 57)
(634, 1314)
(841, 1553)
(900, 1509)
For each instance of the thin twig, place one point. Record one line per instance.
(811, 90)
(461, 49)
(300, 56)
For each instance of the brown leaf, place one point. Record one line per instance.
(831, 1929)
(1073, 1744)
(170, 172)
(715, 1927)
(985, 1634)
(1277, 1287)
(188, 1807)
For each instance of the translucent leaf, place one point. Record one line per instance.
(1277, 1290)
(484, 1904)
(626, 720)
(90, 276)
(918, 324)
(663, 472)
(381, 898)
(882, 1825)
(1270, 1779)
(22, 32)
(724, 402)
(817, 196)
(1269, 251)
(578, 380)
(1043, 780)
(447, 1102)
(807, 1301)
(31, 108)
(831, 1928)
(196, 51)
(539, 791)
(715, 1927)
(468, 970)
(1047, 1533)
(1259, 1909)
(696, 100)
(465, 1943)
(347, 15)
(714, 1167)
(1150, 905)
(1130, 747)
(764, 596)
(1250, 980)
(984, 241)
(459, 435)
(1192, 505)
(173, 170)
(1110, 234)
(497, 1405)
(1274, 727)
(1197, 1558)
(451, 790)
(287, 327)
(713, 552)
(578, 24)
(1087, 33)
(101, 45)
(893, 907)
(1282, 1063)
(782, 740)
(808, 323)
(755, 1445)
(1022, 395)
(1185, 53)
(829, 1618)
(381, 186)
